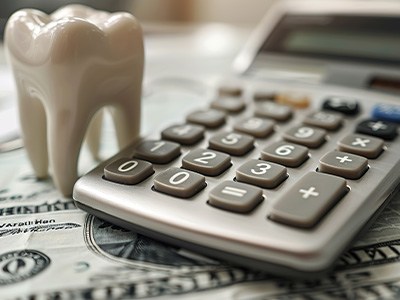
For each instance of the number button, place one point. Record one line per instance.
(325, 120)
(235, 196)
(178, 182)
(229, 104)
(185, 134)
(343, 164)
(307, 136)
(232, 143)
(211, 118)
(287, 154)
(306, 202)
(363, 145)
(159, 152)
(268, 109)
(255, 127)
(261, 173)
(128, 171)
(206, 162)
(381, 129)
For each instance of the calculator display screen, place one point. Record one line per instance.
(357, 38)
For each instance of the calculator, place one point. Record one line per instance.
(291, 158)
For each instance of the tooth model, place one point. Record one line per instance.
(67, 66)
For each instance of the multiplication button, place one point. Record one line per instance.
(343, 164)
(364, 145)
(284, 153)
(178, 182)
(128, 171)
(308, 200)
(235, 196)
(206, 162)
(261, 173)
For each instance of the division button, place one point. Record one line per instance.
(235, 196)
(304, 135)
(308, 200)
(364, 145)
(211, 118)
(157, 151)
(343, 164)
(269, 109)
(344, 105)
(232, 143)
(325, 120)
(128, 171)
(178, 182)
(381, 129)
(229, 104)
(256, 127)
(261, 173)
(185, 134)
(206, 161)
(284, 153)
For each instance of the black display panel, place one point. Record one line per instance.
(356, 38)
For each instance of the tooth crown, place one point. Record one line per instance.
(67, 66)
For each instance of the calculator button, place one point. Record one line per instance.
(178, 182)
(209, 118)
(233, 91)
(343, 164)
(325, 120)
(156, 151)
(344, 105)
(264, 96)
(229, 104)
(232, 143)
(308, 200)
(381, 129)
(255, 127)
(386, 112)
(284, 153)
(206, 162)
(363, 145)
(269, 109)
(186, 134)
(293, 99)
(304, 135)
(235, 196)
(261, 173)
(128, 171)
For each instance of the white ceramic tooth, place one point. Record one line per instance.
(67, 66)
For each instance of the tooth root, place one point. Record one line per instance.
(33, 126)
(93, 134)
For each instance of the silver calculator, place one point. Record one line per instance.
(288, 162)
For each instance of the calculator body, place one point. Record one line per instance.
(253, 239)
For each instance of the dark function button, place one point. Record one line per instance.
(229, 104)
(381, 129)
(211, 118)
(344, 105)
(232, 143)
(186, 134)
(235, 196)
(159, 152)
(343, 164)
(128, 171)
(255, 127)
(206, 162)
(308, 200)
(179, 183)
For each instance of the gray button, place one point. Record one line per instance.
(232, 143)
(308, 200)
(128, 171)
(261, 173)
(363, 145)
(325, 120)
(307, 136)
(235, 196)
(178, 182)
(186, 134)
(256, 127)
(284, 153)
(343, 164)
(211, 118)
(230, 90)
(206, 162)
(268, 109)
(156, 151)
(229, 104)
